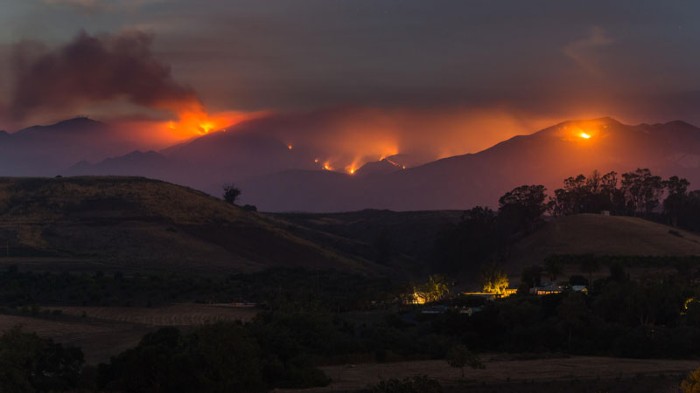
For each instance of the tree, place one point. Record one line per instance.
(495, 280)
(691, 384)
(464, 246)
(221, 357)
(532, 276)
(521, 209)
(436, 288)
(677, 190)
(459, 357)
(553, 267)
(583, 194)
(231, 193)
(642, 191)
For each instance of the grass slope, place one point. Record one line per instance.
(138, 223)
(602, 235)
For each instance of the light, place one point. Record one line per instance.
(290, 147)
(584, 135)
(327, 166)
(205, 127)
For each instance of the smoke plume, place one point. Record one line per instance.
(94, 69)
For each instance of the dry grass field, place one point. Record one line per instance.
(102, 332)
(98, 340)
(510, 374)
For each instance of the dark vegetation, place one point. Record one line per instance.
(231, 193)
(273, 289)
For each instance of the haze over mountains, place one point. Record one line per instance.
(279, 176)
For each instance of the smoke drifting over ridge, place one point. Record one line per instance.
(92, 69)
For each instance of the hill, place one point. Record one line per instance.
(136, 223)
(602, 235)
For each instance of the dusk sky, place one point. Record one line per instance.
(475, 72)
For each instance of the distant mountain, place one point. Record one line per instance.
(209, 161)
(278, 176)
(460, 182)
(126, 223)
(47, 150)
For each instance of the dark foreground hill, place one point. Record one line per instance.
(137, 223)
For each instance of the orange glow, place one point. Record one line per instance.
(290, 147)
(583, 131)
(187, 122)
(327, 166)
(351, 169)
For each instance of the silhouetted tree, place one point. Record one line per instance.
(466, 245)
(553, 267)
(587, 195)
(532, 276)
(677, 195)
(231, 193)
(521, 209)
(642, 191)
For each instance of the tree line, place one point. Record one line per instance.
(483, 236)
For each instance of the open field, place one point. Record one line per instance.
(506, 371)
(102, 332)
(98, 340)
(185, 314)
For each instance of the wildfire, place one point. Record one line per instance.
(327, 166)
(584, 135)
(193, 120)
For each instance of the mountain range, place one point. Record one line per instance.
(275, 177)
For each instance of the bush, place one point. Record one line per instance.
(29, 363)
(692, 383)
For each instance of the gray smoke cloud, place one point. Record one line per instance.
(93, 69)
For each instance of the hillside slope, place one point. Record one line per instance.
(138, 223)
(602, 235)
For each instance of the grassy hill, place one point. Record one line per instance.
(602, 235)
(137, 223)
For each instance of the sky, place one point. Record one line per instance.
(446, 76)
